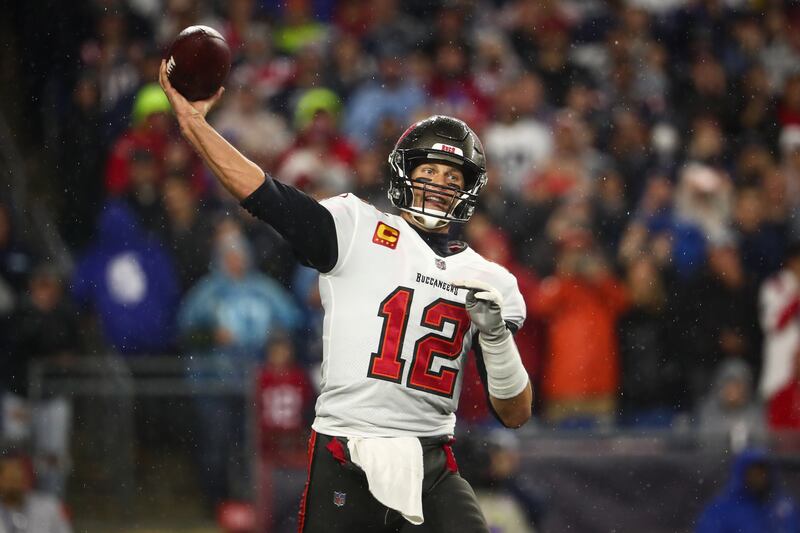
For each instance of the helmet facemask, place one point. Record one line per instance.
(458, 204)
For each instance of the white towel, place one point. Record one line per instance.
(394, 472)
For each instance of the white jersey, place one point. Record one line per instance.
(396, 333)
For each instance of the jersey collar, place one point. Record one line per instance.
(440, 243)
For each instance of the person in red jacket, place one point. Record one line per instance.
(285, 402)
(580, 306)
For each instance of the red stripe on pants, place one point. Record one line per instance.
(301, 516)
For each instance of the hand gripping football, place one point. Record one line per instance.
(198, 62)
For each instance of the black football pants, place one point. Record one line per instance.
(337, 498)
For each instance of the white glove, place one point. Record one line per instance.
(485, 305)
(506, 376)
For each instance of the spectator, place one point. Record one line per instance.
(730, 415)
(707, 142)
(752, 501)
(298, 29)
(580, 306)
(21, 508)
(676, 245)
(246, 122)
(567, 222)
(453, 89)
(781, 55)
(44, 326)
(747, 41)
(495, 63)
(392, 96)
(388, 23)
(349, 68)
(717, 318)
(144, 190)
(573, 162)
(520, 142)
(149, 132)
(757, 116)
(704, 199)
(554, 65)
(629, 147)
(179, 14)
(761, 242)
(81, 158)
(238, 24)
(370, 185)
(508, 500)
(286, 402)
(320, 161)
(127, 279)
(187, 230)
(609, 208)
(779, 316)
(706, 92)
(235, 309)
(653, 375)
(225, 322)
(108, 54)
(778, 217)
(266, 72)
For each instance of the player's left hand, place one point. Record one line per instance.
(484, 305)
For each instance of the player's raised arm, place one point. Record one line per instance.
(238, 175)
(304, 223)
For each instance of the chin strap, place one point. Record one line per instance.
(428, 222)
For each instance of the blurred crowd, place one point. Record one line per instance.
(644, 188)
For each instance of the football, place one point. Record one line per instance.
(198, 62)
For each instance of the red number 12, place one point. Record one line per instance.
(387, 364)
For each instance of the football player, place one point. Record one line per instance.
(403, 307)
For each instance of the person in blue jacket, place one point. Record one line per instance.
(128, 279)
(752, 502)
(225, 322)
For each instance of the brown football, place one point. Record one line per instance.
(198, 62)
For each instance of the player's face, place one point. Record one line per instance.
(437, 174)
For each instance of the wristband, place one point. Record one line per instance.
(506, 375)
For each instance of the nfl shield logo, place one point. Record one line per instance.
(339, 498)
(440, 264)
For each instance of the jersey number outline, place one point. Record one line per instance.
(387, 364)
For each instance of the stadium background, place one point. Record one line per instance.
(644, 189)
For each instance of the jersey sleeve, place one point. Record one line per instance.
(345, 210)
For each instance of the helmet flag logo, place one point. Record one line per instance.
(449, 149)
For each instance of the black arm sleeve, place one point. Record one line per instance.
(306, 225)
